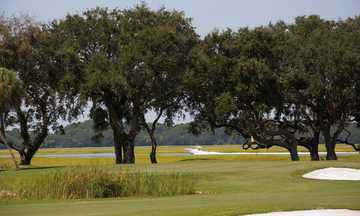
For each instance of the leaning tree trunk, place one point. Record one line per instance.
(314, 152)
(289, 144)
(153, 148)
(293, 152)
(31, 147)
(313, 146)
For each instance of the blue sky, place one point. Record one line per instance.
(207, 14)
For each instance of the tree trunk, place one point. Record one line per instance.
(26, 156)
(118, 152)
(293, 153)
(314, 147)
(330, 145)
(117, 147)
(132, 152)
(129, 154)
(31, 148)
(330, 149)
(314, 152)
(118, 142)
(153, 148)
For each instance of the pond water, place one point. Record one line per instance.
(93, 155)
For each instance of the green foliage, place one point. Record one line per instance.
(10, 90)
(10, 98)
(234, 83)
(281, 84)
(31, 50)
(321, 74)
(131, 61)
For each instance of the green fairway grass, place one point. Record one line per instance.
(227, 185)
(142, 155)
(177, 149)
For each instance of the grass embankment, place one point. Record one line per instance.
(226, 185)
(228, 188)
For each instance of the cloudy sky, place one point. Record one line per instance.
(207, 14)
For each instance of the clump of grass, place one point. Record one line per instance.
(7, 165)
(88, 183)
(5, 194)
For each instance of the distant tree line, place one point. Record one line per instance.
(276, 85)
(81, 135)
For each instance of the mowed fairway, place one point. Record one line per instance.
(227, 185)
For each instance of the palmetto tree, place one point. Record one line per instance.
(10, 96)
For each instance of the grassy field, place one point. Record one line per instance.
(227, 185)
(178, 149)
(142, 155)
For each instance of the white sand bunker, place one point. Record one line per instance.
(320, 212)
(334, 174)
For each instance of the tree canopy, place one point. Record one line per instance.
(131, 62)
(282, 84)
(29, 49)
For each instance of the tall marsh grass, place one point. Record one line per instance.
(87, 183)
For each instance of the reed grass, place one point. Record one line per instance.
(94, 182)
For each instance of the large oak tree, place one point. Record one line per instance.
(235, 83)
(323, 63)
(131, 62)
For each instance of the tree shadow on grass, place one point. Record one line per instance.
(24, 168)
(201, 159)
